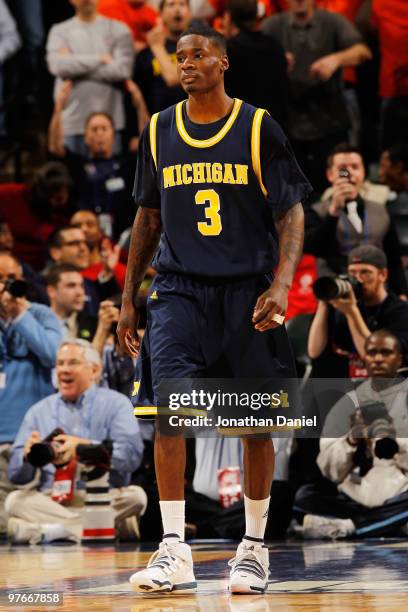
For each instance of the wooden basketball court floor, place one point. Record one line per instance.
(313, 576)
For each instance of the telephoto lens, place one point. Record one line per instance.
(328, 288)
(98, 519)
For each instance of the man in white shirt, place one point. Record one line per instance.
(363, 454)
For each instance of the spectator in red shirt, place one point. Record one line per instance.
(102, 254)
(136, 14)
(33, 211)
(391, 20)
(347, 8)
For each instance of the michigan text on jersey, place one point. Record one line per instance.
(205, 172)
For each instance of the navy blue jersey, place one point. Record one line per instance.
(218, 187)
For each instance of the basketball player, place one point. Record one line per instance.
(212, 174)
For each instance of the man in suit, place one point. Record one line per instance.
(65, 288)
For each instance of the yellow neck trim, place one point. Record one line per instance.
(210, 142)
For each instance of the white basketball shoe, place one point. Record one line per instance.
(170, 569)
(249, 568)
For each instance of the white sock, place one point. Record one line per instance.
(173, 518)
(256, 515)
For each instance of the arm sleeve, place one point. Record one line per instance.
(127, 439)
(9, 38)
(283, 179)
(42, 332)
(145, 190)
(346, 34)
(20, 471)
(68, 66)
(120, 68)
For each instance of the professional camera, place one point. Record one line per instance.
(16, 288)
(380, 428)
(95, 456)
(95, 459)
(328, 288)
(45, 451)
(383, 432)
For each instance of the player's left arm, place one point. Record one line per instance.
(290, 228)
(285, 187)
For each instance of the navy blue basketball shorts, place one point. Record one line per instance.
(202, 328)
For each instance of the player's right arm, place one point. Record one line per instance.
(143, 244)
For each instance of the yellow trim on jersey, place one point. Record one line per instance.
(145, 411)
(152, 411)
(204, 144)
(153, 141)
(256, 147)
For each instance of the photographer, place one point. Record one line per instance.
(383, 360)
(352, 212)
(29, 337)
(364, 463)
(341, 326)
(88, 415)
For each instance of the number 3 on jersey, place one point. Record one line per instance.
(212, 227)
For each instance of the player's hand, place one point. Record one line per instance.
(129, 341)
(325, 67)
(273, 301)
(33, 439)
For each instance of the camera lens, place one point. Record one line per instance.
(330, 288)
(41, 454)
(16, 288)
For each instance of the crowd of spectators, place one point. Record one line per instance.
(84, 76)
